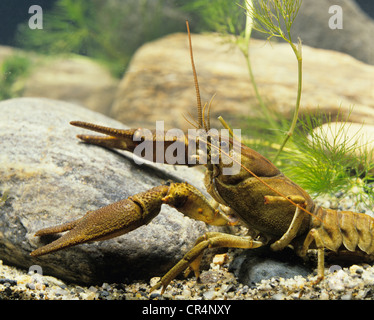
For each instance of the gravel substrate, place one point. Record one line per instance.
(355, 282)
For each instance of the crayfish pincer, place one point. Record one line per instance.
(249, 189)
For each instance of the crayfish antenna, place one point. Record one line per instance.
(198, 98)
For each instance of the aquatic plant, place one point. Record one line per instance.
(13, 70)
(327, 158)
(109, 32)
(272, 17)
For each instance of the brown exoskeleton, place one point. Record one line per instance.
(276, 211)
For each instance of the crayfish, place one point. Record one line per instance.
(276, 211)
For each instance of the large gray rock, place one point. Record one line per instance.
(49, 178)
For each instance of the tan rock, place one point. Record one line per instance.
(159, 83)
(75, 79)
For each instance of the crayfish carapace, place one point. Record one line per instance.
(276, 211)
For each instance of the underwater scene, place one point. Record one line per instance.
(187, 150)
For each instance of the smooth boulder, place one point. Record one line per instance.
(48, 177)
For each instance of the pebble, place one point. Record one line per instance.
(220, 259)
(355, 269)
(209, 295)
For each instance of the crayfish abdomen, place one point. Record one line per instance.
(344, 228)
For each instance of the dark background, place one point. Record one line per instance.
(13, 12)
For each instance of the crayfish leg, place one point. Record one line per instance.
(313, 235)
(291, 233)
(193, 257)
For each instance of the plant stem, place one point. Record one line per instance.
(245, 50)
(299, 58)
(269, 15)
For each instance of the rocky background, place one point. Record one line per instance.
(48, 177)
(159, 76)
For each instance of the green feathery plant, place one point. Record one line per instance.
(108, 31)
(327, 158)
(76, 26)
(275, 18)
